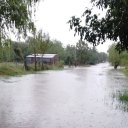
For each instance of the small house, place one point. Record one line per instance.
(45, 58)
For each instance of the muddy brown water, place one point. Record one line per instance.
(82, 97)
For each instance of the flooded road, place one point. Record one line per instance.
(82, 97)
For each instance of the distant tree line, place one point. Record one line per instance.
(79, 54)
(18, 17)
(82, 54)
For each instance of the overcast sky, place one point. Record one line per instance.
(52, 17)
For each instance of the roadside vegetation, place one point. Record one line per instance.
(123, 97)
(13, 20)
(13, 54)
(11, 69)
(117, 58)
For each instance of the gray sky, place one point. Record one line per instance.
(52, 17)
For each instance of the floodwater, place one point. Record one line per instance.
(82, 97)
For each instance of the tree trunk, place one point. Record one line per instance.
(116, 65)
(25, 65)
(35, 62)
(35, 59)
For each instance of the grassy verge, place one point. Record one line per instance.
(125, 71)
(13, 69)
(59, 65)
(123, 97)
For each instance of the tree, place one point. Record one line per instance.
(56, 47)
(113, 26)
(124, 59)
(70, 55)
(8, 51)
(16, 14)
(82, 52)
(93, 56)
(18, 52)
(102, 57)
(43, 44)
(38, 44)
(33, 48)
(114, 56)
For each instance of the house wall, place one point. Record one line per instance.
(53, 60)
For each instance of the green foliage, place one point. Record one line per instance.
(82, 54)
(123, 97)
(124, 59)
(18, 53)
(102, 57)
(11, 69)
(114, 56)
(58, 65)
(6, 51)
(39, 43)
(16, 14)
(125, 70)
(70, 55)
(56, 47)
(118, 58)
(113, 26)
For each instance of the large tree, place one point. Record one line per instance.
(113, 26)
(16, 16)
(82, 52)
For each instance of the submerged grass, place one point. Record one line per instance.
(123, 97)
(125, 71)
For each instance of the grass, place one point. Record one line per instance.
(125, 71)
(123, 97)
(11, 69)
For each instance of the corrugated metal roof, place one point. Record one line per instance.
(44, 55)
(49, 55)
